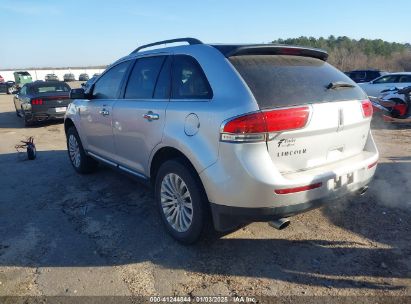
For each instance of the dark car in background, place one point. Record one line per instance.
(7, 87)
(83, 77)
(3, 87)
(360, 76)
(69, 77)
(40, 101)
(51, 77)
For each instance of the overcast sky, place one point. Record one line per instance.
(41, 33)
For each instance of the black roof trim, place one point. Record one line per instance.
(189, 40)
(229, 50)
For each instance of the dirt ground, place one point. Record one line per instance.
(100, 234)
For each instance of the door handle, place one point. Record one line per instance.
(151, 116)
(104, 112)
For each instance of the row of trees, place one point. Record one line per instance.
(350, 54)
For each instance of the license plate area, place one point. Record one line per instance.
(340, 181)
(61, 109)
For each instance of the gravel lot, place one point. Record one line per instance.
(66, 234)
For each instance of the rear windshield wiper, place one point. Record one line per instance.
(339, 85)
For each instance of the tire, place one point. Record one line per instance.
(191, 201)
(10, 90)
(27, 123)
(80, 161)
(17, 112)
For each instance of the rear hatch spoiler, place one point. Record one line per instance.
(267, 49)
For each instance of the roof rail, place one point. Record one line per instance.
(190, 41)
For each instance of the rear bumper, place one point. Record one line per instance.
(244, 184)
(43, 116)
(226, 218)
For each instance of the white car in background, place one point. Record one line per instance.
(374, 88)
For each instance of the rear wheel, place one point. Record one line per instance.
(81, 162)
(27, 122)
(181, 200)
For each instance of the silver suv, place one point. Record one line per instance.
(226, 133)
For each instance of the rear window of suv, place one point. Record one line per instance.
(283, 80)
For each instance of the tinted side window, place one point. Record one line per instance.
(189, 80)
(358, 76)
(108, 86)
(163, 86)
(373, 75)
(143, 78)
(405, 78)
(387, 79)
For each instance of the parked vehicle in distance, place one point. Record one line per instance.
(7, 87)
(86, 85)
(393, 105)
(3, 87)
(249, 132)
(40, 101)
(51, 77)
(21, 78)
(1, 79)
(69, 77)
(96, 74)
(375, 87)
(361, 76)
(83, 77)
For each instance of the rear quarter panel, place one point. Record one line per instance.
(231, 97)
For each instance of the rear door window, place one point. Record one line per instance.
(163, 86)
(143, 78)
(189, 80)
(283, 80)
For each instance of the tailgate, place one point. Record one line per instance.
(56, 101)
(336, 127)
(335, 131)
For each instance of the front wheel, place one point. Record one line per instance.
(181, 200)
(81, 162)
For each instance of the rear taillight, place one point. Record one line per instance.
(366, 108)
(37, 101)
(255, 126)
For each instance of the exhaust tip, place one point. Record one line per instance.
(280, 224)
(363, 190)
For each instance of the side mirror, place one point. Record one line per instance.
(77, 94)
